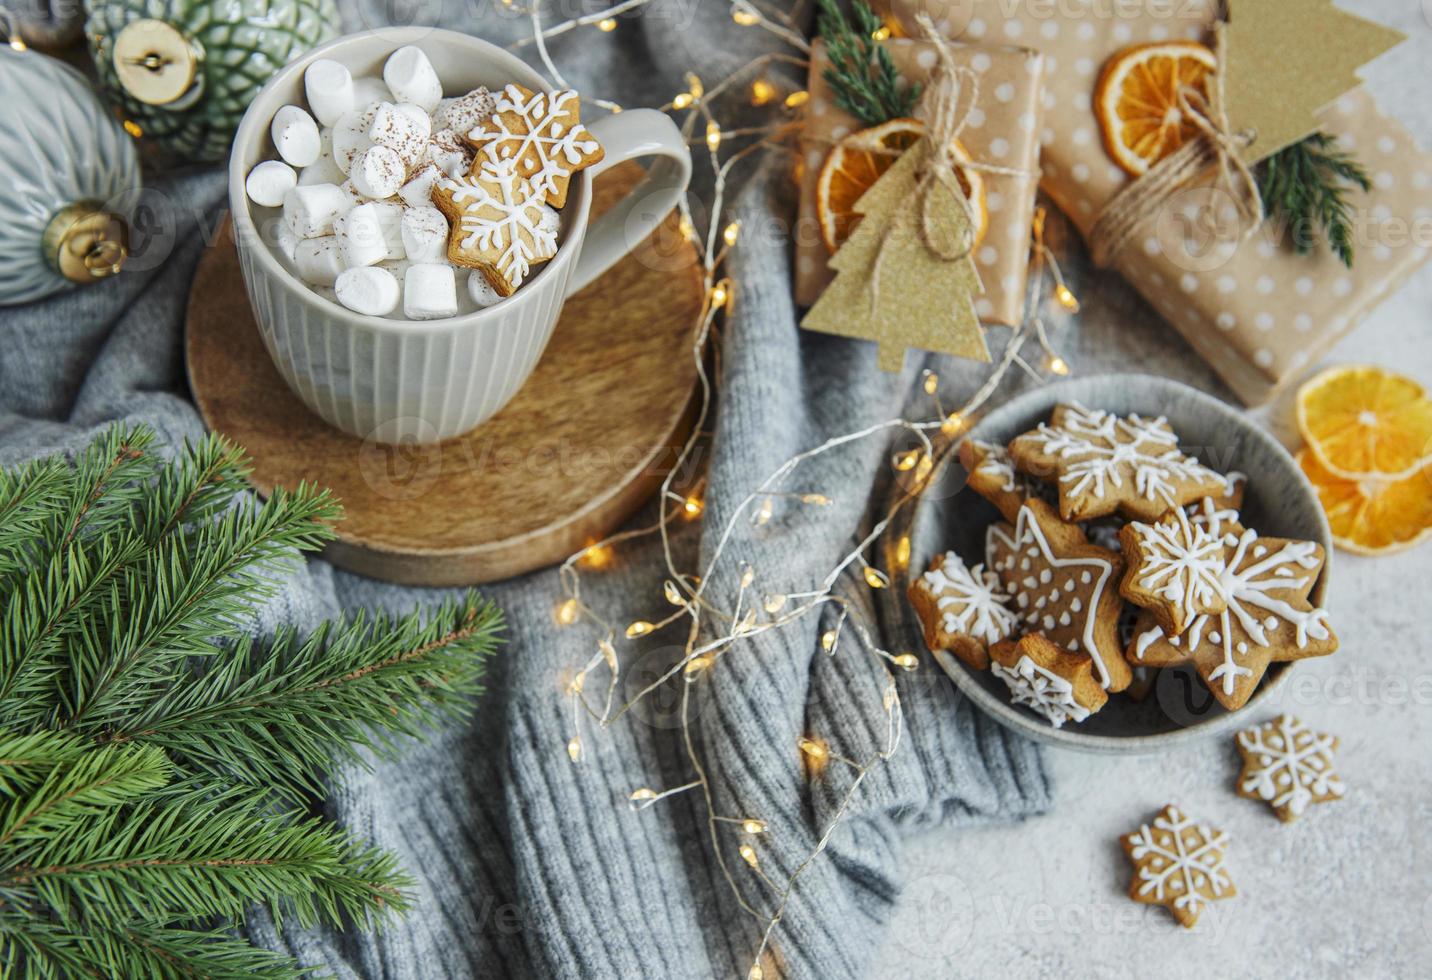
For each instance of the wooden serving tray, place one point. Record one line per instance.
(577, 452)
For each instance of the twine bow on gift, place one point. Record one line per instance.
(1216, 146)
(952, 98)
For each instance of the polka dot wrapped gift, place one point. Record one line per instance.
(1001, 131)
(1255, 309)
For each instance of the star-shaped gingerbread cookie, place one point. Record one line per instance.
(1288, 766)
(1062, 586)
(963, 610)
(1050, 681)
(497, 223)
(1268, 619)
(1178, 863)
(1102, 463)
(542, 134)
(992, 475)
(1175, 569)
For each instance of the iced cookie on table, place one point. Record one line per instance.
(541, 134)
(1178, 863)
(992, 475)
(1268, 619)
(1175, 569)
(1288, 766)
(962, 610)
(1062, 586)
(498, 224)
(1104, 463)
(1052, 682)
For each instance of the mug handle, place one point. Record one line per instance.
(626, 136)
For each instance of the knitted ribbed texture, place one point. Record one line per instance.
(528, 865)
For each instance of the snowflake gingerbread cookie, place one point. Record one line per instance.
(992, 475)
(963, 610)
(1178, 863)
(1062, 586)
(499, 223)
(1175, 569)
(1055, 684)
(1103, 463)
(541, 134)
(1288, 766)
(1268, 619)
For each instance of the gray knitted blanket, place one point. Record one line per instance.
(528, 865)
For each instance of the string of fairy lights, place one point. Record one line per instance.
(713, 631)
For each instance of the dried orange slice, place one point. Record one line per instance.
(1137, 100)
(1366, 421)
(1373, 516)
(859, 160)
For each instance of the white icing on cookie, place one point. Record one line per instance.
(971, 603)
(1290, 764)
(1183, 562)
(1041, 690)
(1184, 859)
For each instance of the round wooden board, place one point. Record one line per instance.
(582, 446)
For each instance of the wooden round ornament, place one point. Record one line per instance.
(577, 452)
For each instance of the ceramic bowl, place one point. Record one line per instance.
(1279, 503)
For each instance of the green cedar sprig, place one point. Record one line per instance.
(156, 759)
(1305, 187)
(861, 73)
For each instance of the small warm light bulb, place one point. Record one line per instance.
(682, 100)
(731, 233)
(639, 628)
(744, 15)
(747, 623)
(774, 603)
(748, 575)
(906, 461)
(881, 33)
(875, 578)
(923, 468)
(953, 423)
(693, 507)
(567, 612)
(132, 128)
(827, 641)
(607, 24)
(762, 92)
(577, 684)
(574, 749)
(756, 973)
(753, 826)
(684, 226)
(642, 798)
(1058, 366)
(932, 383)
(609, 653)
(817, 499)
(672, 593)
(902, 552)
(695, 667)
(763, 516)
(906, 661)
(597, 556)
(693, 84)
(718, 296)
(1066, 298)
(17, 44)
(797, 99)
(816, 750)
(748, 854)
(713, 135)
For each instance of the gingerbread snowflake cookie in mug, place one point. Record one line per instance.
(963, 610)
(398, 202)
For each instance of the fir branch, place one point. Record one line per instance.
(281, 716)
(27, 497)
(1306, 188)
(862, 74)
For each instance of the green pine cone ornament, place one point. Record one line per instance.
(184, 71)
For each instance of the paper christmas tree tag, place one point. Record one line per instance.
(913, 296)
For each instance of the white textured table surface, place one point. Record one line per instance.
(1346, 889)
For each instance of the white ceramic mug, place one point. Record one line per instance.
(424, 381)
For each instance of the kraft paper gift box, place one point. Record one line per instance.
(1257, 311)
(1003, 131)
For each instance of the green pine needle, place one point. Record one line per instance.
(156, 758)
(1306, 186)
(862, 74)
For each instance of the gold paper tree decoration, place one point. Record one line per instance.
(920, 299)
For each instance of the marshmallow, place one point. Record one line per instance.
(321, 171)
(424, 231)
(268, 182)
(319, 260)
(551, 220)
(295, 136)
(465, 114)
(481, 290)
(429, 291)
(399, 129)
(377, 172)
(329, 87)
(411, 78)
(372, 233)
(285, 239)
(418, 192)
(373, 292)
(350, 136)
(449, 153)
(370, 89)
(310, 209)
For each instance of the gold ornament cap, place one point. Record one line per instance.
(85, 243)
(154, 62)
